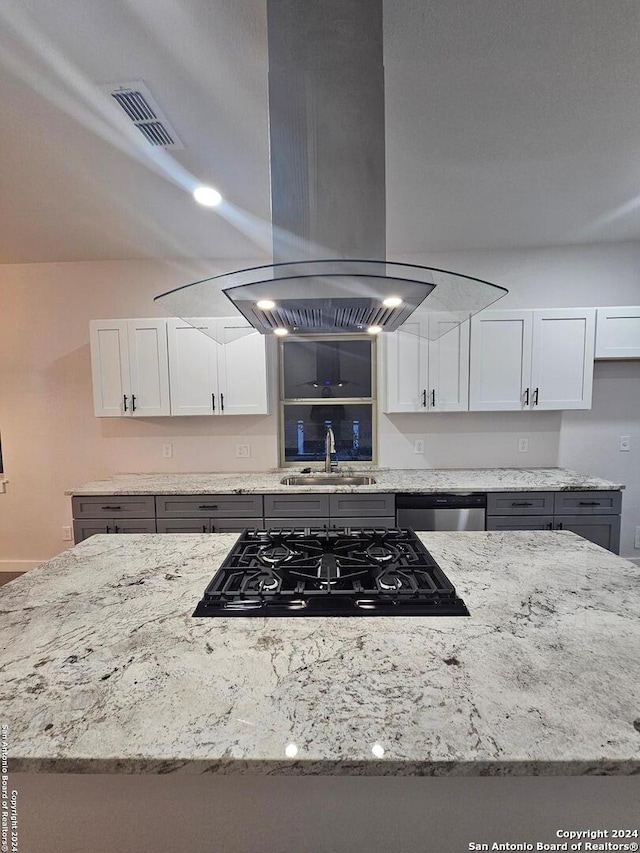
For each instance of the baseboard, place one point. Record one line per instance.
(19, 565)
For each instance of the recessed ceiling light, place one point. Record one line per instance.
(207, 196)
(392, 302)
(280, 331)
(374, 330)
(265, 305)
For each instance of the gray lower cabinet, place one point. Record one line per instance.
(364, 521)
(604, 530)
(307, 505)
(594, 515)
(84, 528)
(362, 505)
(111, 506)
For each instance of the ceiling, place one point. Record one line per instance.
(508, 124)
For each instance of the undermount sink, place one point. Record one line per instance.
(328, 480)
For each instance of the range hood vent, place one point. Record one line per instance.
(139, 105)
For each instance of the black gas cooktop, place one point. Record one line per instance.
(339, 572)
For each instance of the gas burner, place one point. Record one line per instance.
(371, 571)
(276, 553)
(390, 581)
(381, 551)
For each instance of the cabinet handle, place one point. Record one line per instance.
(107, 528)
(424, 398)
(433, 397)
(112, 508)
(124, 397)
(133, 402)
(207, 506)
(213, 402)
(550, 525)
(526, 397)
(521, 503)
(115, 529)
(204, 528)
(222, 402)
(559, 526)
(535, 397)
(589, 503)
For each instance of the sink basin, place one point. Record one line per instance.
(328, 480)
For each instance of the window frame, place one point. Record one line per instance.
(337, 401)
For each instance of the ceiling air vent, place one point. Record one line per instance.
(139, 105)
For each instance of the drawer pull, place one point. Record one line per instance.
(559, 526)
(433, 398)
(204, 528)
(589, 503)
(521, 503)
(207, 506)
(424, 398)
(112, 508)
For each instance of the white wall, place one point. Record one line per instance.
(52, 441)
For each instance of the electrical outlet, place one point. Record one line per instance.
(66, 534)
(243, 451)
(625, 443)
(523, 445)
(418, 445)
(167, 451)
(636, 542)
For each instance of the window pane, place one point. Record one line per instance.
(305, 429)
(327, 369)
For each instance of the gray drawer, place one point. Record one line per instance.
(289, 506)
(110, 506)
(83, 529)
(588, 503)
(519, 522)
(296, 521)
(361, 505)
(364, 521)
(209, 506)
(520, 503)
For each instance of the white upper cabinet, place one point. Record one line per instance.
(618, 332)
(540, 359)
(110, 367)
(218, 366)
(130, 368)
(148, 368)
(242, 369)
(562, 358)
(193, 366)
(425, 375)
(500, 360)
(204, 366)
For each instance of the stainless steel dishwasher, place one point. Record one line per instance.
(463, 511)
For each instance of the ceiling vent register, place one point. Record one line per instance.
(139, 105)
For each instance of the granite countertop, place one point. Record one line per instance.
(387, 480)
(105, 671)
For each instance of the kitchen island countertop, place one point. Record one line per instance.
(105, 671)
(387, 480)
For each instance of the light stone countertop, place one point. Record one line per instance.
(105, 671)
(387, 480)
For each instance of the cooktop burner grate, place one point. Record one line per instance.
(338, 572)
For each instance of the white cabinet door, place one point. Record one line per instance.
(242, 369)
(148, 367)
(500, 361)
(193, 366)
(448, 387)
(618, 332)
(407, 369)
(110, 368)
(562, 358)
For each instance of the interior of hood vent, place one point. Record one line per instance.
(338, 297)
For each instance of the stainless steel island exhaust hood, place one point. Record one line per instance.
(328, 203)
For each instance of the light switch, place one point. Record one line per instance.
(625, 443)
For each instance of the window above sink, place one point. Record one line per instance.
(327, 383)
